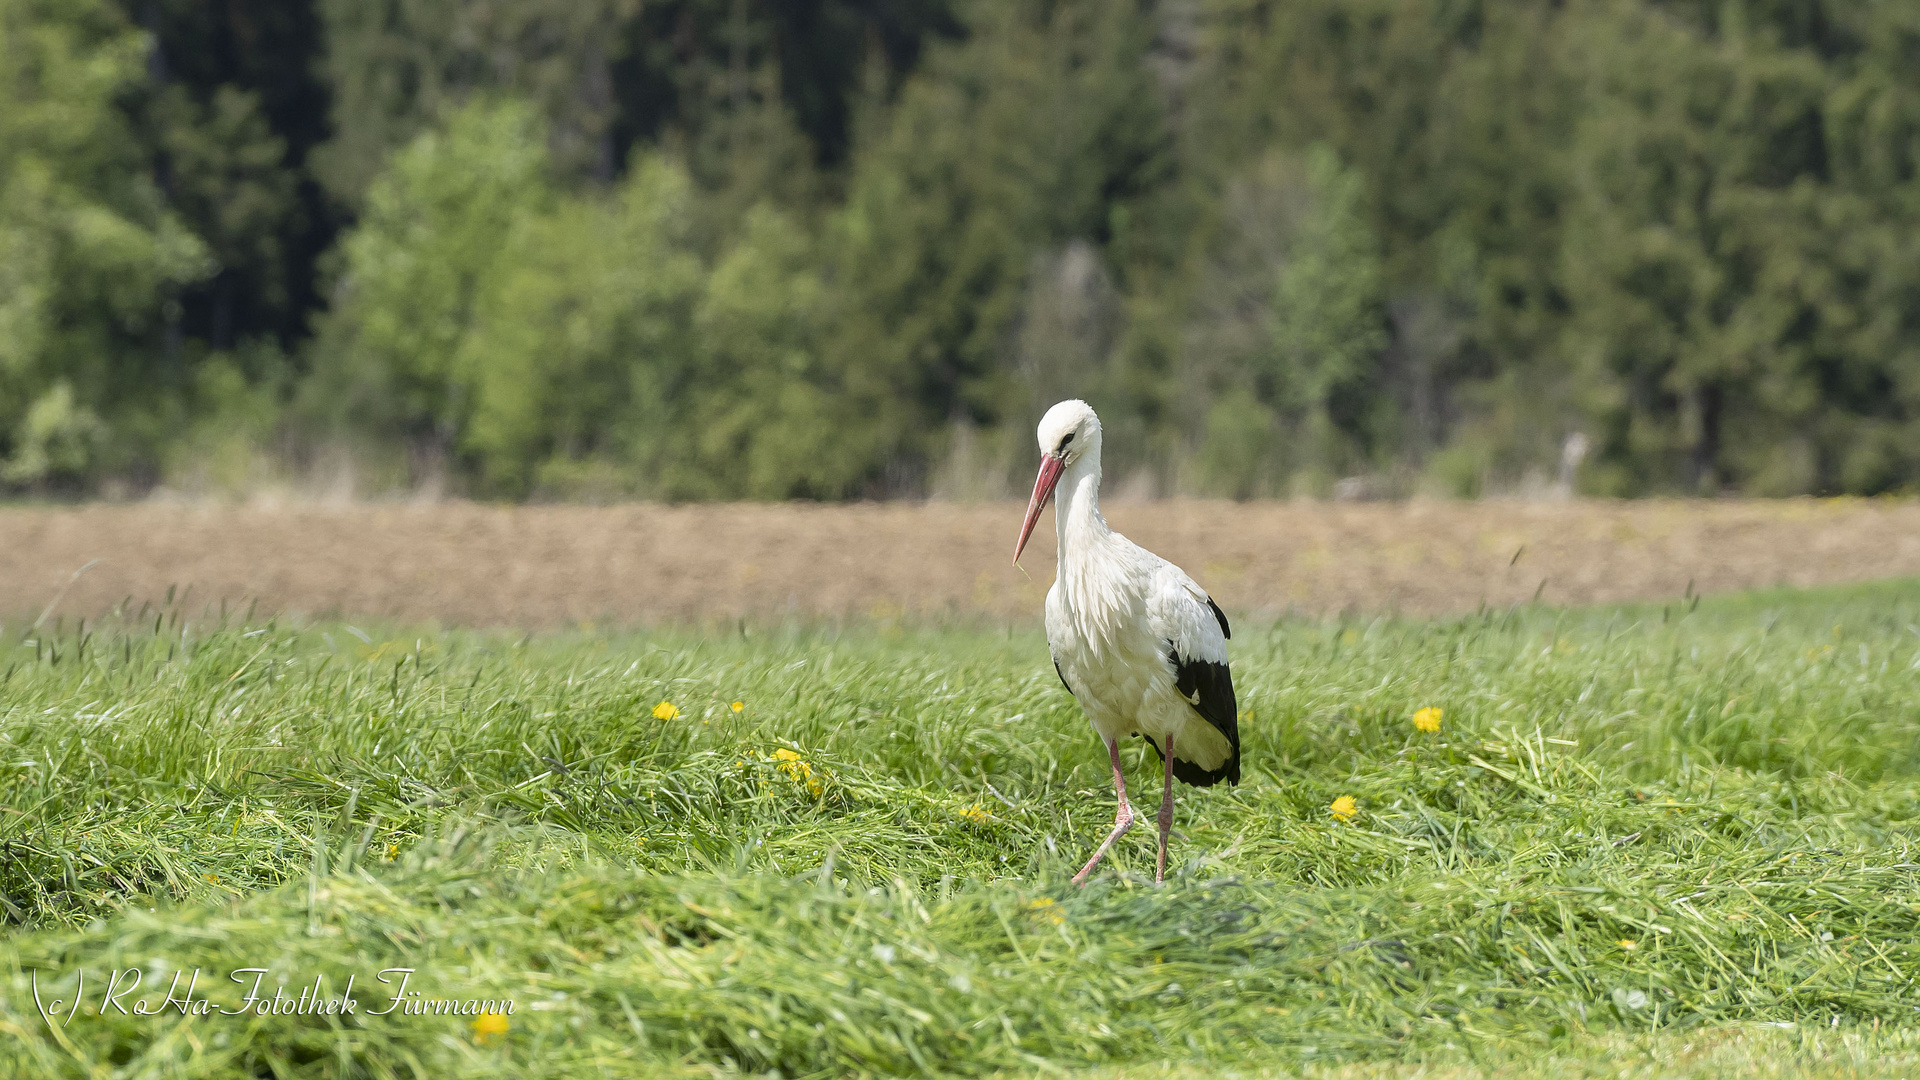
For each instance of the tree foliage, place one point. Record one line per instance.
(827, 249)
(90, 255)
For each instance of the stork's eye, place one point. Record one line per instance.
(1065, 441)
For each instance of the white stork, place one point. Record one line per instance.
(1141, 646)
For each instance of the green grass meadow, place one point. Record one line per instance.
(1651, 841)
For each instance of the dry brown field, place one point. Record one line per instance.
(545, 566)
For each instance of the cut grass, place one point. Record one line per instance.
(1664, 838)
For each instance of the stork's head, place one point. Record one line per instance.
(1069, 432)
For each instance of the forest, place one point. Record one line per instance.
(843, 249)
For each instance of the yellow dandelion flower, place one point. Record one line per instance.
(738, 705)
(797, 770)
(488, 1026)
(1428, 719)
(666, 710)
(212, 879)
(392, 851)
(1627, 943)
(1047, 909)
(1344, 808)
(976, 815)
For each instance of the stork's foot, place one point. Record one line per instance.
(1122, 817)
(1122, 821)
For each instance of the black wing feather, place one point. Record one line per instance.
(1209, 686)
(1225, 630)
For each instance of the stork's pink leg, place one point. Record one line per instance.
(1122, 818)
(1166, 814)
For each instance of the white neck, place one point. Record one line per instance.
(1076, 507)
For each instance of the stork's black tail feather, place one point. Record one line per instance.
(1189, 773)
(1209, 686)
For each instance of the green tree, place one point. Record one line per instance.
(397, 68)
(89, 256)
(436, 227)
(228, 107)
(579, 360)
(226, 177)
(1287, 329)
(1328, 325)
(769, 417)
(1728, 295)
(510, 335)
(832, 248)
(1038, 130)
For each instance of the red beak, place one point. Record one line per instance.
(1050, 469)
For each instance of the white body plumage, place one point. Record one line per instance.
(1117, 615)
